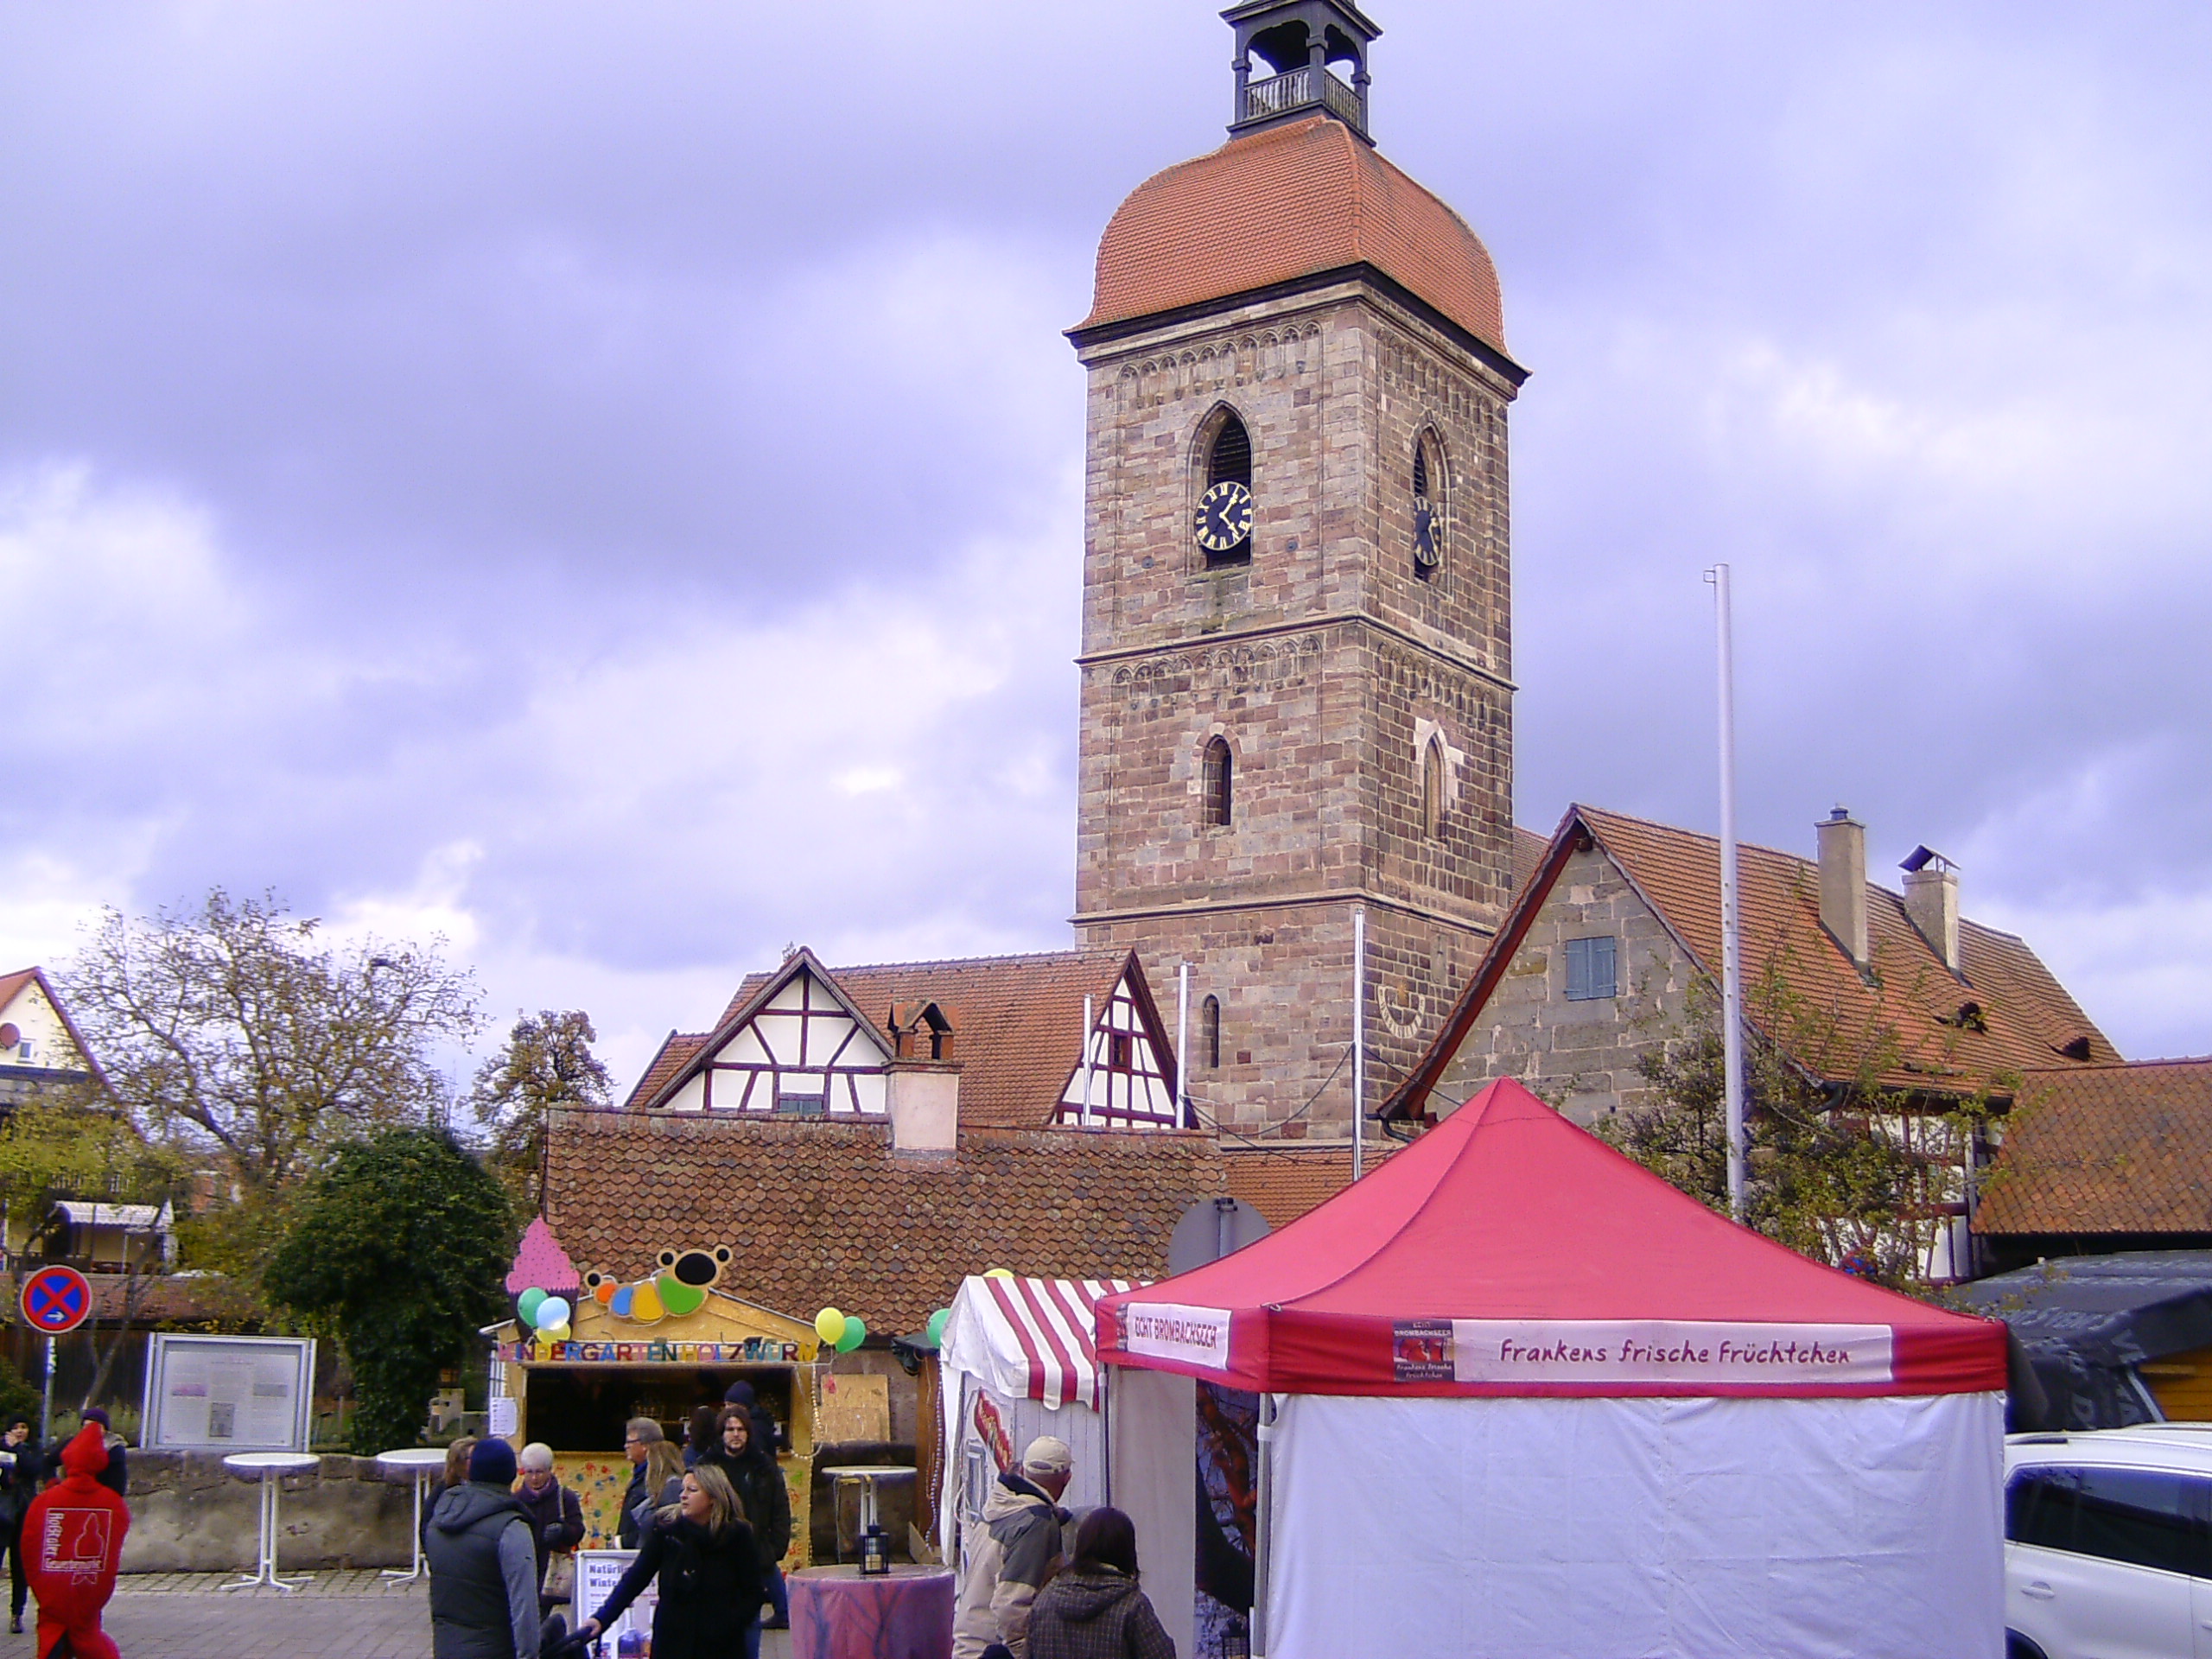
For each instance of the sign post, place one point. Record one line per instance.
(55, 1300)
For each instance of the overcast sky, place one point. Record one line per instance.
(603, 482)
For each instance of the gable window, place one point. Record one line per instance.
(1121, 1051)
(1428, 507)
(1209, 1032)
(1220, 782)
(1223, 522)
(1432, 789)
(1590, 970)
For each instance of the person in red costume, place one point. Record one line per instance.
(73, 1539)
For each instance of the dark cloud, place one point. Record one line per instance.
(606, 482)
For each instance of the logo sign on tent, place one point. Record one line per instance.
(1665, 1352)
(56, 1300)
(1197, 1336)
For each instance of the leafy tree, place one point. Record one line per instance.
(17, 1397)
(398, 1247)
(546, 1064)
(233, 1029)
(1838, 1166)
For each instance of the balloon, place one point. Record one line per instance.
(529, 1302)
(554, 1310)
(553, 1332)
(996, 1273)
(829, 1326)
(937, 1325)
(855, 1333)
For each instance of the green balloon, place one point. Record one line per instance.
(529, 1302)
(937, 1325)
(855, 1333)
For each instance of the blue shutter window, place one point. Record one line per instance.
(1590, 970)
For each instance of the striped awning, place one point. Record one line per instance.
(1028, 1338)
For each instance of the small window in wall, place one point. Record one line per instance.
(1590, 970)
(1121, 1051)
(1210, 1032)
(1220, 782)
(1432, 789)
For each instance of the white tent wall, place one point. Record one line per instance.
(1153, 1429)
(1784, 1529)
(969, 1468)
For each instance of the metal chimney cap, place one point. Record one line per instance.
(1920, 857)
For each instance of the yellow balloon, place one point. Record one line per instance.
(997, 1273)
(555, 1333)
(830, 1325)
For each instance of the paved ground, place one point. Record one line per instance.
(339, 1615)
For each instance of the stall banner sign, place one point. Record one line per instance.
(56, 1300)
(1711, 1353)
(753, 1350)
(598, 1571)
(1197, 1336)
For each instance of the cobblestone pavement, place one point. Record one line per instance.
(332, 1616)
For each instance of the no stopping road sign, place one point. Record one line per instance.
(55, 1300)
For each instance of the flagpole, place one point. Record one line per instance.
(1731, 919)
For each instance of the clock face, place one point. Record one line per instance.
(1429, 533)
(1224, 517)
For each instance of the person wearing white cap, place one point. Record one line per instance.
(1013, 1552)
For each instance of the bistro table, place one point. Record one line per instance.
(420, 1461)
(838, 1613)
(870, 1476)
(269, 1468)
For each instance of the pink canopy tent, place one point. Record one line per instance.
(1530, 1398)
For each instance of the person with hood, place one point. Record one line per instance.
(1094, 1610)
(483, 1564)
(1013, 1554)
(18, 1486)
(76, 1529)
(701, 1552)
(117, 1476)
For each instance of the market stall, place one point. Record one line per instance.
(1016, 1359)
(1525, 1397)
(623, 1350)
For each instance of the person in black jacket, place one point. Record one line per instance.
(765, 1441)
(18, 1486)
(760, 1486)
(556, 1515)
(709, 1569)
(639, 1436)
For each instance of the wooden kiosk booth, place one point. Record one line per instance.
(624, 1352)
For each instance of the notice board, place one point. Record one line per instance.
(598, 1571)
(228, 1394)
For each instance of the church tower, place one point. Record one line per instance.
(1297, 698)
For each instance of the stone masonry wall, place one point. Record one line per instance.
(188, 1514)
(1581, 1056)
(1326, 664)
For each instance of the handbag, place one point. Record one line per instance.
(561, 1576)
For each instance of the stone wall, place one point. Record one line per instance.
(189, 1514)
(1581, 1056)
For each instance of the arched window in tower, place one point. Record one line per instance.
(1432, 789)
(1428, 505)
(1223, 522)
(1210, 1032)
(1220, 782)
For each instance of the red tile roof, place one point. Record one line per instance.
(2122, 1149)
(1283, 1184)
(1017, 1024)
(1288, 202)
(2028, 1016)
(825, 1214)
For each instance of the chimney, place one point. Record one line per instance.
(923, 1098)
(1843, 882)
(1931, 899)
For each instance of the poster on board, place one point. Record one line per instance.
(228, 1394)
(598, 1571)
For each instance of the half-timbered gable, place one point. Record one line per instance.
(1035, 1037)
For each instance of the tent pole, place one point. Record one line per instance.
(1732, 921)
(1182, 1045)
(1261, 1541)
(1358, 1035)
(1089, 1024)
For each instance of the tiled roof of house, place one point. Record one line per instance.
(1528, 850)
(825, 1214)
(1017, 1024)
(1283, 203)
(1283, 1184)
(2023, 1017)
(2122, 1149)
(13, 985)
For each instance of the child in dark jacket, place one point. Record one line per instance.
(1095, 1610)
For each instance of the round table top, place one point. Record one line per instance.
(255, 1463)
(906, 1570)
(414, 1457)
(869, 1472)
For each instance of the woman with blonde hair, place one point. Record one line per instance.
(701, 1552)
(663, 1483)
